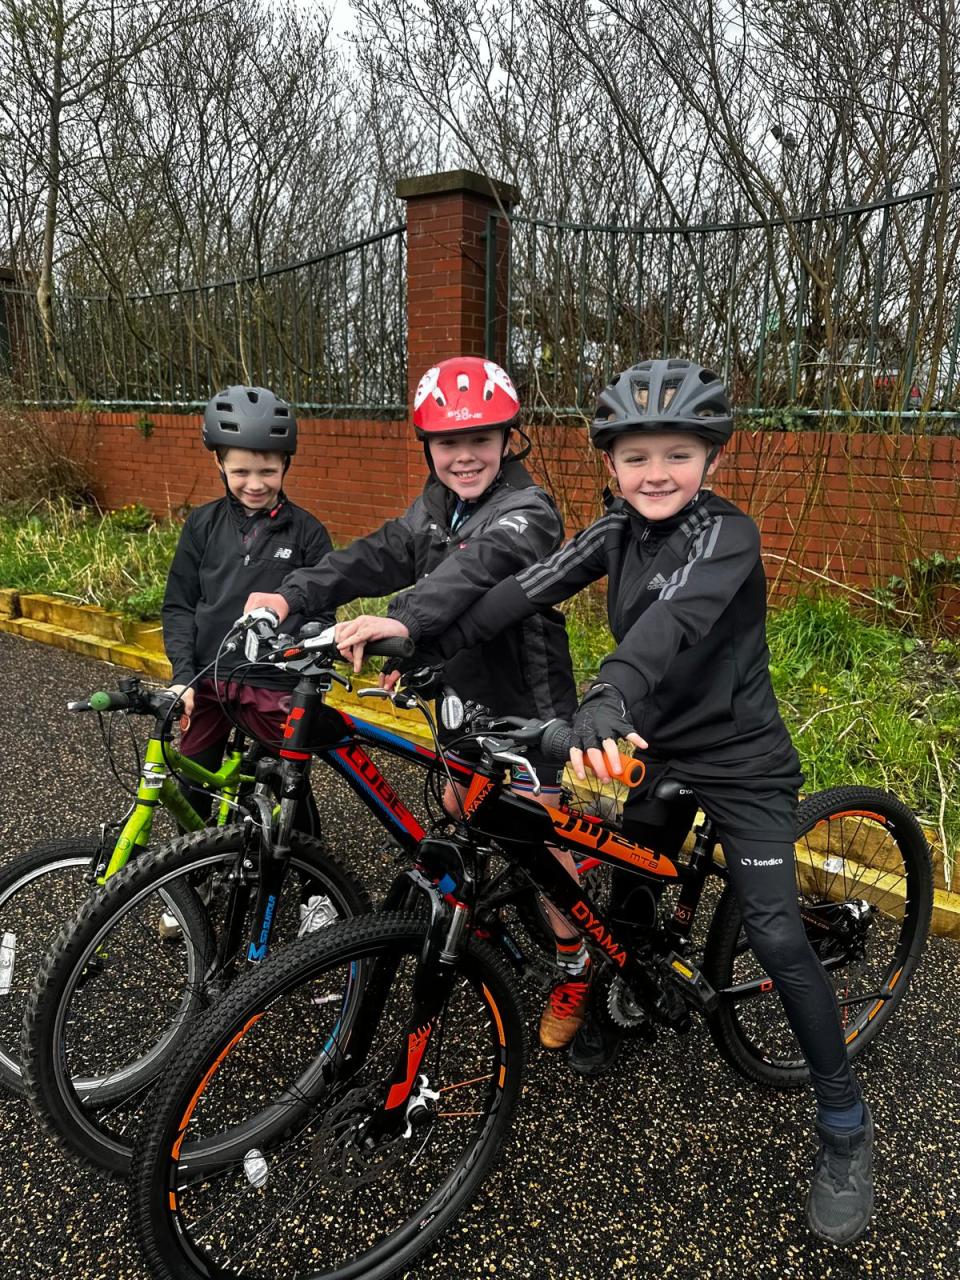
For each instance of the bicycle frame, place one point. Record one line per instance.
(523, 829)
(157, 786)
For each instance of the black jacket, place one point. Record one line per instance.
(224, 554)
(686, 603)
(527, 669)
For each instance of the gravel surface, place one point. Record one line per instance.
(670, 1167)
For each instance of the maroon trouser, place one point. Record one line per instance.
(259, 712)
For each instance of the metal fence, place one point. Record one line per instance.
(837, 314)
(329, 333)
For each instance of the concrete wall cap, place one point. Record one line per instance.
(434, 184)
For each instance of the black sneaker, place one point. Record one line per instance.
(595, 1048)
(841, 1193)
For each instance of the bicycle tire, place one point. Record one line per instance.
(360, 1214)
(855, 845)
(39, 889)
(113, 996)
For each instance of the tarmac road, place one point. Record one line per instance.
(671, 1167)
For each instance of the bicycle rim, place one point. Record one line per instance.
(37, 894)
(865, 893)
(304, 1197)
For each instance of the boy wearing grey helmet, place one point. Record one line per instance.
(247, 540)
(689, 684)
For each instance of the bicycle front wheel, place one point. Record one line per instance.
(258, 1160)
(39, 890)
(144, 957)
(865, 887)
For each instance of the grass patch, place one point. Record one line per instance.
(118, 561)
(865, 703)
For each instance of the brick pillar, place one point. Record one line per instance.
(447, 253)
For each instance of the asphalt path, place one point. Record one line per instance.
(671, 1167)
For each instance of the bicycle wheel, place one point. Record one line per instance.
(39, 890)
(124, 980)
(253, 1161)
(865, 886)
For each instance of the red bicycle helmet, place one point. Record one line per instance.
(465, 393)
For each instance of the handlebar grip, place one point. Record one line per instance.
(104, 701)
(555, 743)
(390, 647)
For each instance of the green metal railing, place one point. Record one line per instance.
(329, 333)
(835, 315)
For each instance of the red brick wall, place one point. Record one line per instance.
(353, 474)
(851, 507)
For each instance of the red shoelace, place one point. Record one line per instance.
(567, 997)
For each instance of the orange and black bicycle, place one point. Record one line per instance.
(334, 1114)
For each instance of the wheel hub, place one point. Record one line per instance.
(344, 1153)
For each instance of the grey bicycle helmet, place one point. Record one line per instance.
(664, 395)
(249, 418)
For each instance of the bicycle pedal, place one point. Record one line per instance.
(693, 986)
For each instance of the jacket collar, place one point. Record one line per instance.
(441, 501)
(654, 530)
(243, 517)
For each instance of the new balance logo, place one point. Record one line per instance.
(657, 582)
(283, 553)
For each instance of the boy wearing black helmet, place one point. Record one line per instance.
(247, 540)
(686, 600)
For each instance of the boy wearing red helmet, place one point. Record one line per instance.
(479, 519)
(690, 673)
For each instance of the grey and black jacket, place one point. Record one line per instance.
(448, 556)
(224, 554)
(686, 603)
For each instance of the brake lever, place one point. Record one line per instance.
(397, 696)
(510, 757)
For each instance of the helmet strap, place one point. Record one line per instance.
(527, 443)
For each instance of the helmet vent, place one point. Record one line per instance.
(224, 406)
(281, 411)
(252, 397)
(707, 376)
(667, 392)
(279, 431)
(229, 426)
(641, 395)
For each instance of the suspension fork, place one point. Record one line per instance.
(436, 972)
(274, 852)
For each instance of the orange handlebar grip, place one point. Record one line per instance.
(634, 772)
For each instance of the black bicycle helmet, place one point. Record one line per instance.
(664, 395)
(249, 418)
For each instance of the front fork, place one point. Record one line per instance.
(275, 832)
(436, 972)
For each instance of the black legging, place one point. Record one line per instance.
(756, 817)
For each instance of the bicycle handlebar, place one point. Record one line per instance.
(390, 647)
(140, 701)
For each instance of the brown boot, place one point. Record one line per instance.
(565, 1012)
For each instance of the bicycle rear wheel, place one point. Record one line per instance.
(123, 982)
(254, 1161)
(865, 887)
(39, 890)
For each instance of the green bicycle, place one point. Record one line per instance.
(43, 887)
